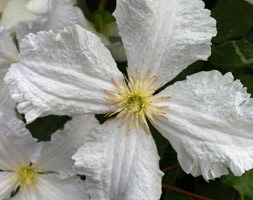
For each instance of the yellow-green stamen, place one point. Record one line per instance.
(134, 100)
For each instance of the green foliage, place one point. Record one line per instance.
(44, 127)
(234, 19)
(100, 18)
(233, 54)
(243, 184)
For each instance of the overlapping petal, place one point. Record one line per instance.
(17, 146)
(6, 184)
(56, 154)
(2, 5)
(120, 166)
(64, 73)
(164, 36)
(8, 55)
(38, 6)
(210, 123)
(15, 12)
(51, 187)
(60, 14)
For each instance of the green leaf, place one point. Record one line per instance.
(232, 54)
(44, 127)
(246, 80)
(100, 18)
(243, 184)
(216, 190)
(234, 19)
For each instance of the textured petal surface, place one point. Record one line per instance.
(56, 154)
(63, 74)
(15, 12)
(164, 36)
(210, 123)
(60, 14)
(17, 146)
(8, 55)
(6, 184)
(51, 187)
(120, 167)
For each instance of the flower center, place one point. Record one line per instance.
(133, 100)
(135, 103)
(26, 176)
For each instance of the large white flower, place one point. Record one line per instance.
(43, 170)
(208, 118)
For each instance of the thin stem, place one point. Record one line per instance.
(196, 196)
(101, 5)
(168, 168)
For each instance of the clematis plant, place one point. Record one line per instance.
(206, 118)
(32, 170)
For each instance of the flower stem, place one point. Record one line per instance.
(196, 196)
(101, 5)
(168, 168)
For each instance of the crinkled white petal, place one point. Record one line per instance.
(37, 6)
(17, 147)
(2, 5)
(164, 36)
(8, 55)
(119, 166)
(62, 74)
(249, 1)
(56, 154)
(6, 184)
(60, 14)
(15, 12)
(210, 123)
(51, 187)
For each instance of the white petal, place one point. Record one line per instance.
(37, 6)
(61, 14)
(118, 166)
(2, 5)
(56, 154)
(15, 12)
(51, 187)
(164, 36)
(8, 55)
(249, 1)
(210, 123)
(6, 184)
(63, 74)
(17, 147)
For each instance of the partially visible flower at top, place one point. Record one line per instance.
(61, 13)
(29, 10)
(40, 171)
(208, 118)
(104, 26)
(249, 1)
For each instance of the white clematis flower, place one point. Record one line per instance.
(208, 118)
(43, 170)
